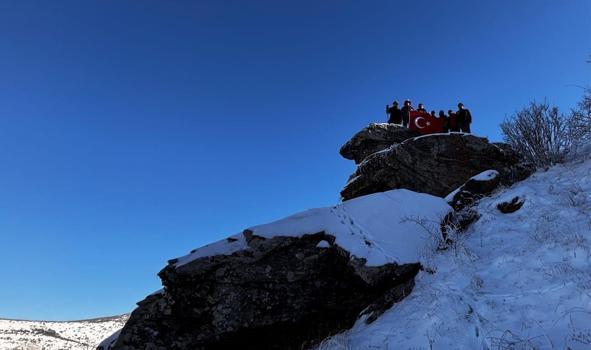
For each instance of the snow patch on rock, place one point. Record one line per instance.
(381, 227)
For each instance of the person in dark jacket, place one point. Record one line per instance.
(421, 108)
(395, 113)
(406, 109)
(453, 121)
(464, 118)
(445, 120)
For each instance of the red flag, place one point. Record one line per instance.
(425, 123)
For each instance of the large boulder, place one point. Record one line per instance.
(434, 164)
(283, 293)
(291, 283)
(374, 138)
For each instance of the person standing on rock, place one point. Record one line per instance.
(395, 113)
(421, 108)
(452, 121)
(406, 109)
(445, 121)
(464, 118)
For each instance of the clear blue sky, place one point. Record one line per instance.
(134, 131)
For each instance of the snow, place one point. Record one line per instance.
(46, 335)
(483, 176)
(512, 281)
(380, 227)
(323, 244)
(486, 175)
(439, 134)
(451, 196)
(110, 341)
(223, 247)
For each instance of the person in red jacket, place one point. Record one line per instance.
(453, 121)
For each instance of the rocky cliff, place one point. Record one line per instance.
(294, 282)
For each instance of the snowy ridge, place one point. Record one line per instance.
(512, 281)
(378, 227)
(48, 335)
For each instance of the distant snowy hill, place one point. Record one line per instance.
(512, 281)
(46, 335)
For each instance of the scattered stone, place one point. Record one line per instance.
(512, 206)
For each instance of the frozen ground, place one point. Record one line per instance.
(45, 335)
(513, 281)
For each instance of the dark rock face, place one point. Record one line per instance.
(512, 206)
(374, 138)
(464, 199)
(435, 164)
(473, 190)
(282, 293)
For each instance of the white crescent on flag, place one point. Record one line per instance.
(417, 123)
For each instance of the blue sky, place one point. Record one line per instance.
(134, 131)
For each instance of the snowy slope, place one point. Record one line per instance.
(45, 335)
(378, 227)
(513, 281)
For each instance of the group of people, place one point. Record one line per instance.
(458, 121)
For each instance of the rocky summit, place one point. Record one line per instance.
(295, 282)
(435, 164)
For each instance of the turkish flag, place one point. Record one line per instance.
(425, 123)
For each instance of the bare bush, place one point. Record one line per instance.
(540, 133)
(579, 123)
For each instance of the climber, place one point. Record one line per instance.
(395, 113)
(452, 121)
(406, 109)
(464, 118)
(445, 120)
(421, 108)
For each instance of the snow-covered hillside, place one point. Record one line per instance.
(46, 335)
(512, 281)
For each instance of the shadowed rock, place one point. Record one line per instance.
(374, 138)
(281, 293)
(434, 164)
(512, 206)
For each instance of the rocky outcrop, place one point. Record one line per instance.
(374, 138)
(434, 164)
(280, 293)
(464, 198)
(474, 189)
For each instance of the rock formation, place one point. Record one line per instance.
(435, 164)
(282, 293)
(374, 138)
(292, 283)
